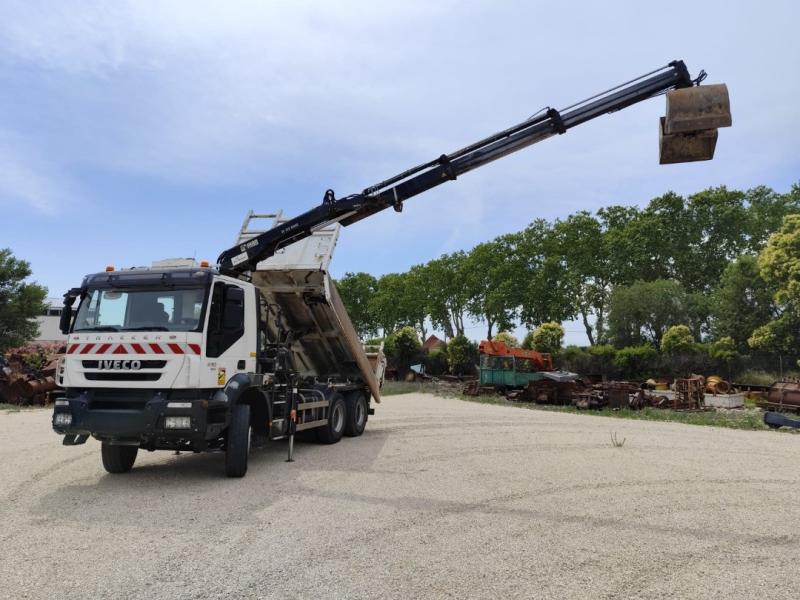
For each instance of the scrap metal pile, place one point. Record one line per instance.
(28, 373)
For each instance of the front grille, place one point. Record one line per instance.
(144, 364)
(126, 376)
(117, 405)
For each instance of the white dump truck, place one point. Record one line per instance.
(179, 356)
(183, 356)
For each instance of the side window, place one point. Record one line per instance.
(225, 319)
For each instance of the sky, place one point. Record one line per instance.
(132, 131)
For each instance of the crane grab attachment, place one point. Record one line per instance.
(687, 133)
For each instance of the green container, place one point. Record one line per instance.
(507, 371)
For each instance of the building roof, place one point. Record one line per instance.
(432, 342)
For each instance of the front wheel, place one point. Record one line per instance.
(333, 430)
(356, 419)
(238, 443)
(118, 459)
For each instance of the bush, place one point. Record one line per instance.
(436, 362)
(507, 338)
(402, 347)
(462, 356)
(547, 338)
(636, 362)
(575, 359)
(677, 340)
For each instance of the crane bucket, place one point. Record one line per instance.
(685, 147)
(698, 107)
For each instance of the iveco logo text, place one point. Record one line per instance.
(132, 365)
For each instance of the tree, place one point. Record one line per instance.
(779, 266)
(20, 302)
(548, 337)
(742, 302)
(677, 340)
(386, 306)
(462, 356)
(357, 291)
(448, 296)
(402, 347)
(543, 285)
(582, 243)
(643, 312)
(491, 283)
(507, 338)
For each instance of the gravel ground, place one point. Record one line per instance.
(438, 499)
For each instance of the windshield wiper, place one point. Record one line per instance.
(99, 328)
(147, 328)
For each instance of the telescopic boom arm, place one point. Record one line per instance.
(394, 191)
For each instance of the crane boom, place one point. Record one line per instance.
(394, 191)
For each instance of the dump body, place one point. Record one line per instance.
(296, 284)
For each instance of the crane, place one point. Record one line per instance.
(693, 118)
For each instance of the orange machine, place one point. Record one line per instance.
(539, 361)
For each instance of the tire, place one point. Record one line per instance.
(337, 416)
(238, 443)
(356, 417)
(118, 459)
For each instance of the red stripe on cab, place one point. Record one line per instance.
(137, 348)
(176, 348)
(156, 349)
(87, 348)
(72, 348)
(103, 348)
(195, 348)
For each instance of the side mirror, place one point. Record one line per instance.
(233, 312)
(66, 319)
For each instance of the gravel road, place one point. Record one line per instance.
(439, 498)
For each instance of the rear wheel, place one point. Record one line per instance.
(118, 459)
(332, 432)
(356, 418)
(238, 443)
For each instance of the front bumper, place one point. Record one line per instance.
(137, 417)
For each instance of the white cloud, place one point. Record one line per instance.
(29, 180)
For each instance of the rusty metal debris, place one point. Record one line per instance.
(28, 373)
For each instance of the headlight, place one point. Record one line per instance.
(178, 423)
(63, 419)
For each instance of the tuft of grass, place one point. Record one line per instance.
(746, 419)
(615, 440)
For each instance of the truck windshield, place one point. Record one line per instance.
(172, 309)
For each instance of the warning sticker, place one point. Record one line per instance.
(220, 376)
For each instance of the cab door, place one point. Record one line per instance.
(227, 347)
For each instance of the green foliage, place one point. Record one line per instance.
(436, 362)
(627, 273)
(548, 337)
(742, 302)
(636, 362)
(357, 291)
(642, 312)
(507, 338)
(491, 283)
(723, 350)
(20, 302)
(462, 356)
(402, 347)
(678, 339)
